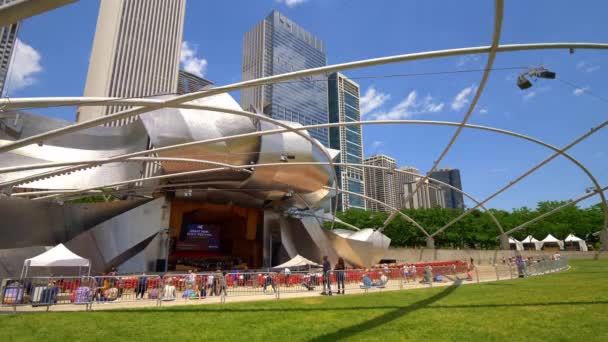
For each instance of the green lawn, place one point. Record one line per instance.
(571, 305)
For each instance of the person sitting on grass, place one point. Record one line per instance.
(366, 281)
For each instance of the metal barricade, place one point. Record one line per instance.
(299, 281)
(252, 284)
(189, 286)
(47, 291)
(126, 288)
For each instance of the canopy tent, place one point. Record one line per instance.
(582, 245)
(552, 239)
(58, 256)
(298, 261)
(531, 240)
(518, 245)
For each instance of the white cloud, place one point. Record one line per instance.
(292, 3)
(372, 100)
(467, 59)
(410, 107)
(580, 91)
(483, 111)
(24, 67)
(190, 62)
(529, 95)
(462, 98)
(377, 143)
(586, 67)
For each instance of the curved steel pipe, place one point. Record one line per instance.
(498, 12)
(40, 138)
(379, 122)
(565, 205)
(527, 173)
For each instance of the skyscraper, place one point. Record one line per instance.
(381, 184)
(8, 37)
(343, 95)
(189, 83)
(453, 199)
(429, 195)
(135, 52)
(277, 45)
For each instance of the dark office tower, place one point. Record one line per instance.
(453, 199)
(277, 45)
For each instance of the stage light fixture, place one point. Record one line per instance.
(539, 72)
(546, 74)
(523, 82)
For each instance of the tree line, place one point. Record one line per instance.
(477, 230)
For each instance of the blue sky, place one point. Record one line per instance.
(551, 110)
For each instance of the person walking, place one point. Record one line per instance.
(326, 280)
(220, 283)
(339, 270)
(142, 286)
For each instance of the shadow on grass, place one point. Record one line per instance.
(423, 304)
(386, 318)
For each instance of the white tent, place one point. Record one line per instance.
(582, 245)
(58, 256)
(552, 239)
(518, 245)
(530, 239)
(298, 261)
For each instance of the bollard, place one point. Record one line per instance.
(511, 270)
(497, 275)
(477, 274)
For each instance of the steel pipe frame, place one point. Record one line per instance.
(393, 209)
(313, 142)
(341, 124)
(565, 205)
(40, 138)
(405, 216)
(498, 14)
(527, 173)
(191, 173)
(137, 159)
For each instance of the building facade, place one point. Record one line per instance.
(8, 39)
(135, 52)
(453, 199)
(429, 196)
(188, 82)
(381, 184)
(277, 45)
(343, 96)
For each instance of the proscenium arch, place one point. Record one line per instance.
(260, 133)
(498, 13)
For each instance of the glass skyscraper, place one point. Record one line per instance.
(453, 199)
(343, 95)
(275, 46)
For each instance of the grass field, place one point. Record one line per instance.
(571, 305)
